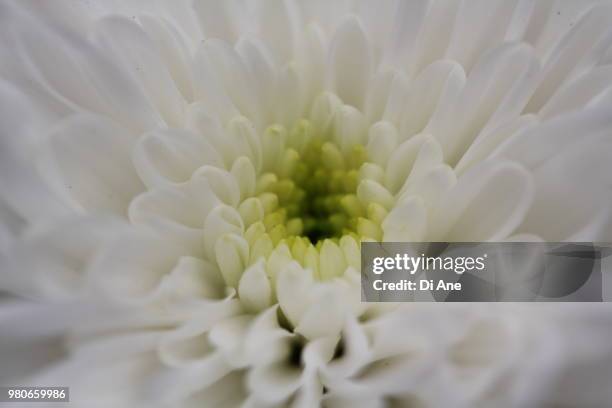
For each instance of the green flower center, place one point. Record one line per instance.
(312, 188)
(309, 204)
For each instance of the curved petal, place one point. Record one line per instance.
(350, 65)
(92, 155)
(487, 204)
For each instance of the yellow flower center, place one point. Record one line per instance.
(314, 189)
(308, 195)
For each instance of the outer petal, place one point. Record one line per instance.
(350, 62)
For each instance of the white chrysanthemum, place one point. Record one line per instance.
(185, 186)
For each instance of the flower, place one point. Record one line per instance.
(185, 187)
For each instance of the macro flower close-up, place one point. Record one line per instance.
(185, 187)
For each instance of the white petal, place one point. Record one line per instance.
(201, 119)
(435, 34)
(133, 265)
(266, 341)
(376, 18)
(523, 11)
(244, 174)
(578, 93)
(93, 158)
(172, 156)
(345, 401)
(538, 22)
(251, 210)
(133, 47)
(575, 52)
(222, 183)
(274, 383)
(83, 76)
(254, 289)
(187, 204)
(29, 343)
(278, 27)
(315, 60)
(309, 394)
(332, 262)
(325, 316)
(407, 222)
(396, 99)
(228, 336)
(447, 102)
(291, 92)
(171, 385)
(349, 128)
(582, 169)
(262, 73)
(487, 203)
(192, 278)
(323, 111)
(370, 191)
(218, 19)
(56, 257)
(26, 194)
(356, 351)
(428, 158)
(371, 171)
(292, 288)
(488, 141)
(401, 161)
(209, 89)
(432, 186)
(479, 25)
(350, 65)
(533, 145)
(497, 89)
(424, 95)
(407, 20)
(189, 342)
(273, 145)
(221, 220)
(229, 391)
(232, 254)
(173, 50)
(350, 247)
(231, 72)
(377, 94)
(243, 135)
(382, 141)
(279, 259)
(65, 80)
